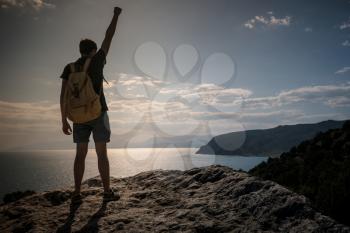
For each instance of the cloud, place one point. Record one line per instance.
(261, 102)
(308, 29)
(133, 80)
(226, 98)
(214, 94)
(32, 4)
(343, 70)
(179, 108)
(314, 94)
(329, 95)
(28, 116)
(132, 86)
(346, 43)
(282, 21)
(176, 104)
(269, 20)
(342, 101)
(249, 24)
(345, 25)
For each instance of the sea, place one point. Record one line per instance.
(44, 170)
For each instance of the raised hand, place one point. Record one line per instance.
(117, 10)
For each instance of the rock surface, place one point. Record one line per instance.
(210, 199)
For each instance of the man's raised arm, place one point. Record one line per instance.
(110, 31)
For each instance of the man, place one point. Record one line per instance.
(100, 126)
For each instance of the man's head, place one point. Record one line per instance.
(87, 47)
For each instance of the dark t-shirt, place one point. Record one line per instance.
(95, 72)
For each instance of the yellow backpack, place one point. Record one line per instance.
(82, 103)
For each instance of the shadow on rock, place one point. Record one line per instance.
(67, 226)
(92, 224)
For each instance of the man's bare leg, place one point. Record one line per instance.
(103, 164)
(79, 165)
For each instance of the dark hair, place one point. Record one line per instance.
(86, 46)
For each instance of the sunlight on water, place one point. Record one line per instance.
(50, 169)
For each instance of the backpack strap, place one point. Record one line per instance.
(101, 89)
(72, 67)
(86, 65)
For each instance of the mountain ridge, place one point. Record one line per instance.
(265, 142)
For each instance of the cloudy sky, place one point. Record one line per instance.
(193, 68)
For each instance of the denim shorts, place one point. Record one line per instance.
(99, 127)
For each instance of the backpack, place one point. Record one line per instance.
(82, 103)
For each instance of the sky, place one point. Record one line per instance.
(176, 69)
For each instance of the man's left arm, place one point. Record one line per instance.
(66, 128)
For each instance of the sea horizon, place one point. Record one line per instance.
(42, 170)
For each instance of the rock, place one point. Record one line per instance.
(317, 168)
(22, 227)
(57, 197)
(210, 199)
(15, 212)
(93, 182)
(11, 197)
(119, 226)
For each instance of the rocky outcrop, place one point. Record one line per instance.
(319, 169)
(210, 199)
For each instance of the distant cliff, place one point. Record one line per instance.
(319, 169)
(211, 199)
(270, 142)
